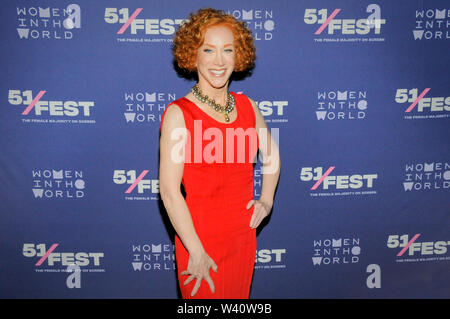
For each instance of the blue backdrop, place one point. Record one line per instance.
(356, 93)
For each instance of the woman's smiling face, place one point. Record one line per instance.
(216, 57)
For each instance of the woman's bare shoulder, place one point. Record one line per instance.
(253, 103)
(173, 116)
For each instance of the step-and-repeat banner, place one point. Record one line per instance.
(357, 94)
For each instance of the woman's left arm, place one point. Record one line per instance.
(270, 170)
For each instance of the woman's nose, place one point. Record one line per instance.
(218, 59)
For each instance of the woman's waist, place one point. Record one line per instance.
(236, 200)
(224, 191)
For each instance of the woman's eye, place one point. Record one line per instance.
(228, 50)
(207, 50)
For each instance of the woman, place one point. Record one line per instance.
(215, 225)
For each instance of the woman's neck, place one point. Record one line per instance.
(217, 94)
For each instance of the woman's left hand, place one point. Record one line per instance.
(261, 211)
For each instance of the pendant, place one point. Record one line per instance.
(227, 118)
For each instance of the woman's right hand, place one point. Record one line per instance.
(198, 268)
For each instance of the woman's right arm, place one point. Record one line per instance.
(171, 168)
(170, 174)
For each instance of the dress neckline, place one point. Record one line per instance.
(213, 119)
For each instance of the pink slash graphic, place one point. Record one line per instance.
(322, 178)
(35, 100)
(409, 244)
(49, 251)
(324, 25)
(409, 109)
(133, 16)
(144, 172)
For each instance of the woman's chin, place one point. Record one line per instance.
(218, 84)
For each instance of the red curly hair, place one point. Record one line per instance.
(190, 36)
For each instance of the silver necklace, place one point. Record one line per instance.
(217, 107)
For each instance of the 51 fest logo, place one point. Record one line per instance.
(415, 251)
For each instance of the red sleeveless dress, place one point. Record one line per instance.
(218, 180)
